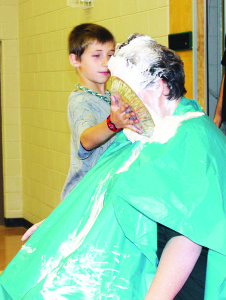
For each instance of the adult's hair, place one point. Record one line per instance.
(84, 34)
(155, 61)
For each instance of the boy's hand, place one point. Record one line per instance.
(123, 116)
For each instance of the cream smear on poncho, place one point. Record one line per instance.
(165, 128)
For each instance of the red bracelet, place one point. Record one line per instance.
(111, 125)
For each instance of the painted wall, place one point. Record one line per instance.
(10, 103)
(46, 79)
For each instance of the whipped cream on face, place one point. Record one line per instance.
(131, 63)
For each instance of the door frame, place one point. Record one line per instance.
(1, 157)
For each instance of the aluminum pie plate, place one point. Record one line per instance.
(125, 95)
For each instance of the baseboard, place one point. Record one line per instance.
(17, 222)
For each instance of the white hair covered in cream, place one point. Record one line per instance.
(141, 62)
(132, 60)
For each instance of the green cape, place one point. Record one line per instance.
(101, 241)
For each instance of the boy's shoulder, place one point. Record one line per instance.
(77, 97)
(82, 103)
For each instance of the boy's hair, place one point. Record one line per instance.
(84, 34)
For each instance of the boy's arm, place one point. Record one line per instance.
(97, 135)
(218, 113)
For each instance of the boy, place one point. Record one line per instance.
(93, 118)
(90, 48)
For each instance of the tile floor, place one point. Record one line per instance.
(10, 244)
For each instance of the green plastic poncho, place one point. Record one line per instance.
(101, 241)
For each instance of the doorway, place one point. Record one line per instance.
(1, 163)
(215, 47)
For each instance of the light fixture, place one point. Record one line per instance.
(80, 3)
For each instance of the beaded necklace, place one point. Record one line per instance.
(103, 97)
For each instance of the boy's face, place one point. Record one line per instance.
(93, 67)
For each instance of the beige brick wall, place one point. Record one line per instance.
(46, 79)
(10, 103)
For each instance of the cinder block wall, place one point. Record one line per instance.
(46, 79)
(10, 105)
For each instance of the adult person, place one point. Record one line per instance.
(104, 245)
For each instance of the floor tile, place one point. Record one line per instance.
(10, 244)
